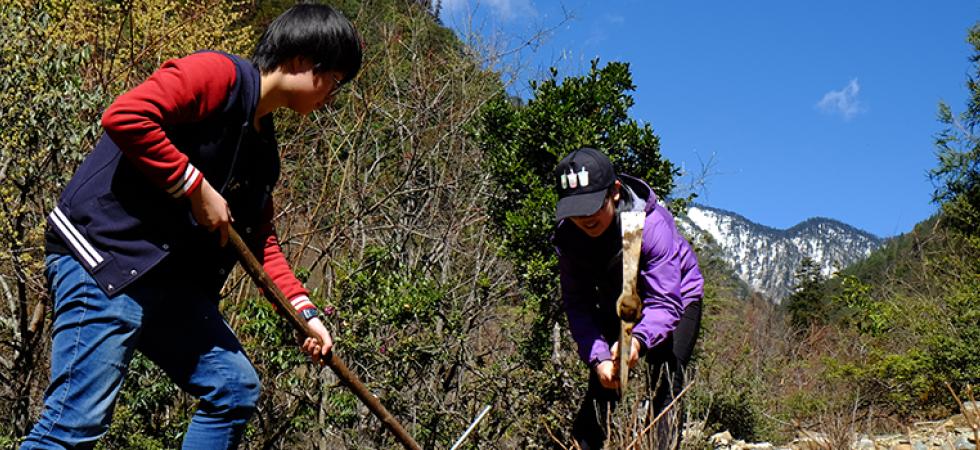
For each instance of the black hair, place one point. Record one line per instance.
(625, 196)
(611, 190)
(316, 32)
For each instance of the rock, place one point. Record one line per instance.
(693, 431)
(815, 442)
(957, 421)
(722, 439)
(941, 435)
(970, 416)
(893, 442)
(864, 444)
(973, 407)
(962, 443)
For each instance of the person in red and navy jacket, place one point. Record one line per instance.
(133, 260)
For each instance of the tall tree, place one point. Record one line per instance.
(957, 178)
(523, 144)
(808, 303)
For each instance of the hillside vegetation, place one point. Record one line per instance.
(418, 211)
(900, 331)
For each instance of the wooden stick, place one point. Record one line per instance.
(348, 378)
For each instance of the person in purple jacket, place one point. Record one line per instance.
(589, 244)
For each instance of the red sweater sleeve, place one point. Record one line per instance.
(183, 90)
(277, 267)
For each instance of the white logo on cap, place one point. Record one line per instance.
(572, 179)
(583, 177)
(564, 181)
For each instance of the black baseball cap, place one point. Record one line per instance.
(583, 178)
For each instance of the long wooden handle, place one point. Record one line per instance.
(348, 378)
(625, 348)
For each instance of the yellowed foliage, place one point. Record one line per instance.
(132, 38)
(63, 60)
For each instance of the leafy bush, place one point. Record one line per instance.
(523, 144)
(867, 314)
(47, 119)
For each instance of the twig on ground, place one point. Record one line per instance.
(969, 416)
(659, 416)
(552, 435)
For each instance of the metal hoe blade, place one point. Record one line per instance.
(628, 305)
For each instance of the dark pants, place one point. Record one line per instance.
(667, 363)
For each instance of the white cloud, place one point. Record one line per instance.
(504, 9)
(844, 102)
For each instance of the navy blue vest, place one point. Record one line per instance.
(119, 225)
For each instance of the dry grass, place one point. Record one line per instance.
(634, 425)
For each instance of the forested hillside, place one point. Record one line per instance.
(885, 343)
(901, 327)
(418, 212)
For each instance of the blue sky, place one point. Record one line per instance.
(799, 109)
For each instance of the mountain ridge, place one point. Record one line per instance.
(804, 222)
(766, 258)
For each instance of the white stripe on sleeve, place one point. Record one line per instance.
(302, 302)
(191, 174)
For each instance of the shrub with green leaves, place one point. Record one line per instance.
(957, 176)
(46, 123)
(523, 144)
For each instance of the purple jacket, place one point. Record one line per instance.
(591, 273)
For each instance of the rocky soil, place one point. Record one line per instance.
(959, 432)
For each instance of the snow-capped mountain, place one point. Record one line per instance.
(767, 258)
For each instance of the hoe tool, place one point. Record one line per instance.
(348, 378)
(628, 306)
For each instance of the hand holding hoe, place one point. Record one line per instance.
(252, 266)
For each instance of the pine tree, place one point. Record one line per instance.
(957, 178)
(808, 304)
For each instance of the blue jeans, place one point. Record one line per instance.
(179, 329)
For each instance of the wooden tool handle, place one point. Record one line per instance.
(348, 378)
